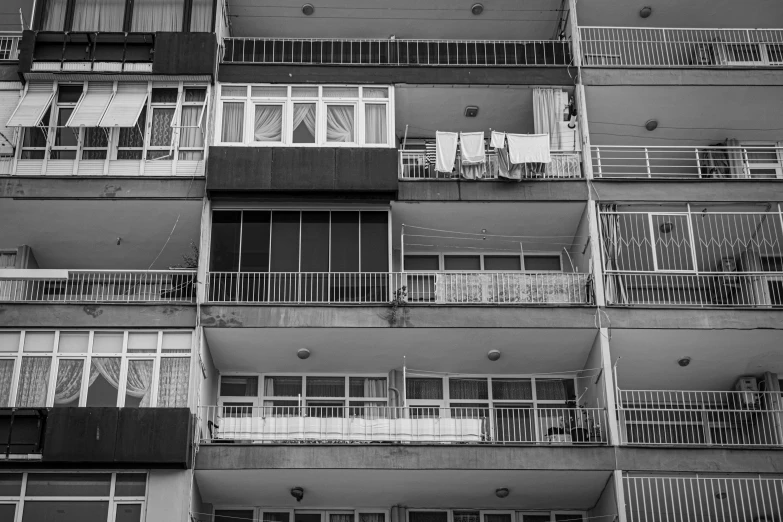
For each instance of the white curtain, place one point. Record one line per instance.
(54, 15)
(139, 381)
(233, 120)
(375, 123)
(445, 151)
(173, 384)
(98, 15)
(610, 227)
(191, 134)
(201, 16)
(157, 15)
(340, 123)
(374, 388)
(33, 382)
(6, 374)
(108, 368)
(69, 382)
(268, 123)
(305, 113)
(547, 113)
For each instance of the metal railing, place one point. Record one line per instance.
(314, 51)
(9, 45)
(669, 47)
(411, 287)
(415, 165)
(709, 163)
(700, 418)
(128, 286)
(370, 423)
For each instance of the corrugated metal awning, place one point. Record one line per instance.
(33, 106)
(92, 105)
(125, 107)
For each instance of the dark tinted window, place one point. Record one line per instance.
(345, 242)
(375, 242)
(461, 263)
(413, 263)
(224, 251)
(542, 263)
(501, 263)
(255, 241)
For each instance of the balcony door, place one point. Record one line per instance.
(672, 242)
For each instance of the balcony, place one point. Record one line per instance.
(700, 418)
(689, 48)
(22, 431)
(716, 163)
(415, 165)
(702, 259)
(98, 286)
(433, 288)
(9, 46)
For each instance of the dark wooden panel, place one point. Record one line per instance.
(184, 53)
(366, 169)
(157, 436)
(300, 168)
(402, 74)
(26, 48)
(81, 435)
(244, 168)
(22, 430)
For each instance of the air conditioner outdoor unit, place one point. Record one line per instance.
(748, 386)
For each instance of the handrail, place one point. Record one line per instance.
(415, 165)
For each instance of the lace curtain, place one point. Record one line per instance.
(375, 123)
(340, 123)
(33, 381)
(53, 15)
(233, 119)
(512, 390)
(69, 382)
(547, 114)
(268, 123)
(6, 374)
(139, 381)
(173, 385)
(98, 15)
(157, 15)
(161, 127)
(550, 390)
(468, 389)
(133, 136)
(325, 387)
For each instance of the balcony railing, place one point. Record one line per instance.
(126, 286)
(379, 424)
(93, 51)
(22, 433)
(9, 46)
(663, 47)
(707, 163)
(482, 53)
(514, 288)
(701, 418)
(415, 165)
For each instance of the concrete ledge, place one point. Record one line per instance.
(565, 190)
(380, 316)
(687, 76)
(101, 187)
(681, 190)
(96, 315)
(402, 457)
(700, 460)
(694, 318)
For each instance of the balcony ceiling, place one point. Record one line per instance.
(676, 13)
(434, 19)
(719, 357)
(687, 115)
(352, 488)
(347, 350)
(73, 234)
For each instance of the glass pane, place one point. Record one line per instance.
(340, 124)
(375, 127)
(275, 517)
(468, 389)
(174, 379)
(325, 386)
(502, 263)
(10, 484)
(268, 123)
(65, 511)
(65, 136)
(375, 92)
(104, 381)
(68, 485)
(304, 123)
(191, 135)
(39, 342)
(370, 387)
(133, 136)
(766, 156)
(462, 262)
(537, 518)
(128, 513)
(497, 517)
(285, 241)
(268, 91)
(164, 95)
(340, 517)
(6, 374)
(512, 390)
(107, 15)
(375, 242)
(69, 94)
(73, 342)
(233, 90)
(233, 122)
(233, 515)
(315, 242)
(138, 386)
(238, 386)
(35, 136)
(107, 342)
(304, 92)
(161, 127)
(255, 241)
(177, 342)
(428, 516)
(7, 512)
(224, 249)
(551, 390)
(542, 263)
(96, 137)
(345, 242)
(69, 382)
(197, 94)
(9, 341)
(53, 15)
(341, 92)
(142, 342)
(372, 517)
(307, 517)
(283, 386)
(413, 263)
(33, 382)
(130, 485)
(423, 388)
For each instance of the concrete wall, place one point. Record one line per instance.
(168, 496)
(578, 253)
(606, 507)
(592, 380)
(208, 386)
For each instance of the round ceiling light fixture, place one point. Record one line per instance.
(666, 228)
(493, 355)
(721, 496)
(308, 9)
(303, 353)
(645, 11)
(501, 492)
(685, 361)
(477, 9)
(651, 125)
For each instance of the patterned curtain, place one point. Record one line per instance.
(161, 127)
(6, 374)
(33, 382)
(134, 136)
(174, 381)
(69, 382)
(468, 389)
(139, 381)
(512, 390)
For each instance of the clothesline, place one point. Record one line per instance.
(486, 235)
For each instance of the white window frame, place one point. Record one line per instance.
(775, 146)
(442, 261)
(321, 104)
(55, 356)
(654, 248)
(56, 125)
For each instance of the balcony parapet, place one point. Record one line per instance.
(415, 165)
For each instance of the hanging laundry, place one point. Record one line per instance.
(446, 151)
(473, 155)
(498, 140)
(528, 148)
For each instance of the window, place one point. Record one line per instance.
(305, 115)
(162, 109)
(117, 16)
(70, 368)
(459, 262)
(74, 496)
(764, 162)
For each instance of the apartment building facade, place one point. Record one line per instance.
(415, 263)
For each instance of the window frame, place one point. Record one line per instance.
(774, 147)
(443, 254)
(321, 104)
